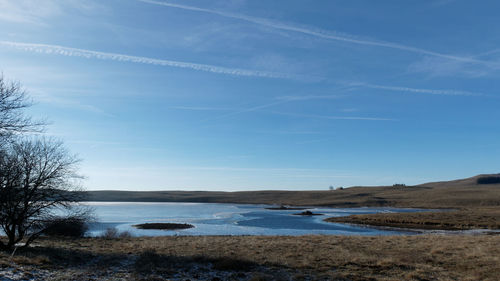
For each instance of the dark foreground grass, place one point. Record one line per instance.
(426, 257)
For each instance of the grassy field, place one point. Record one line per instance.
(451, 194)
(476, 206)
(427, 257)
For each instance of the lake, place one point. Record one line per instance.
(228, 219)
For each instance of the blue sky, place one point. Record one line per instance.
(249, 95)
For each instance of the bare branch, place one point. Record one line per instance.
(37, 179)
(13, 101)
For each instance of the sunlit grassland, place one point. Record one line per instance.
(425, 257)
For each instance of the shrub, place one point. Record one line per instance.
(125, 234)
(70, 227)
(112, 232)
(488, 180)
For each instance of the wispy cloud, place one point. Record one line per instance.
(297, 132)
(253, 169)
(287, 99)
(33, 12)
(90, 54)
(308, 97)
(419, 90)
(27, 11)
(331, 117)
(96, 144)
(436, 67)
(490, 52)
(351, 85)
(320, 33)
(202, 108)
(313, 141)
(439, 67)
(255, 108)
(195, 177)
(64, 102)
(272, 170)
(267, 105)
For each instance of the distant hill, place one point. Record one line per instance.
(468, 182)
(446, 194)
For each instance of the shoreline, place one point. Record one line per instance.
(487, 218)
(422, 231)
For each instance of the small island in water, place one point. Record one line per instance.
(283, 207)
(164, 226)
(307, 213)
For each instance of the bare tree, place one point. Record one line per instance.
(38, 177)
(38, 183)
(13, 100)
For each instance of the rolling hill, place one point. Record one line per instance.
(460, 193)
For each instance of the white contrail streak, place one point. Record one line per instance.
(202, 108)
(89, 54)
(421, 91)
(325, 34)
(331, 117)
(260, 107)
(255, 108)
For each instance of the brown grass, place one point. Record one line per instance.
(486, 218)
(452, 194)
(427, 257)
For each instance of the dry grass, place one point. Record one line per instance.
(486, 218)
(453, 194)
(272, 258)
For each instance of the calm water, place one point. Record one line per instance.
(228, 219)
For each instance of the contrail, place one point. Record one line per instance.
(202, 108)
(331, 117)
(348, 87)
(249, 109)
(89, 54)
(420, 91)
(325, 34)
(285, 99)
